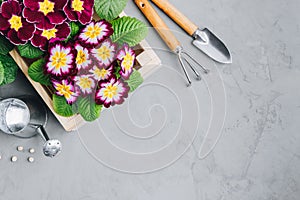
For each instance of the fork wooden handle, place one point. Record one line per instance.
(160, 26)
(176, 15)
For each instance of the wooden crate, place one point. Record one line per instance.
(147, 62)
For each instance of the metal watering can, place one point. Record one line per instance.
(25, 117)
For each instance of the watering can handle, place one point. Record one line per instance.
(177, 16)
(160, 26)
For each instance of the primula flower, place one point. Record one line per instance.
(95, 32)
(42, 37)
(105, 53)
(45, 13)
(13, 25)
(127, 58)
(83, 60)
(101, 74)
(66, 89)
(61, 60)
(80, 10)
(111, 92)
(85, 83)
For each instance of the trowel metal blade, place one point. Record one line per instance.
(212, 46)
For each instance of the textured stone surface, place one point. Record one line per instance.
(257, 155)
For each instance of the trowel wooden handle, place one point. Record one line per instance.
(160, 26)
(177, 16)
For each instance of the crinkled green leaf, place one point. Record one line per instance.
(88, 109)
(135, 80)
(36, 72)
(128, 30)
(1, 73)
(61, 106)
(5, 45)
(29, 51)
(109, 9)
(10, 69)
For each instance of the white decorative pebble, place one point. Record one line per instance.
(20, 148)
(14, 158)
(0, 157)
(30, 159)
(31, 150)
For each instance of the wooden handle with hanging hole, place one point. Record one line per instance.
(177, 16)
(160, 26)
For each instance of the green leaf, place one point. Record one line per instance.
(1, 73)
(75, 26)
(109, 9)
(29, 51)
(61, 106)
(135, 80)
(128, 30)
(10, 69)
(117, 71)
(5, 45)
(36, 72)
(74, 29)
(88, 109)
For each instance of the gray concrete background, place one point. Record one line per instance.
(256, 157)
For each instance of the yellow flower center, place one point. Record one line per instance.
(50, 33)
(93, 31)
(15, 22)
(77, 5)
(64, 90)
(85, 83)
(46, 7)
(100, 72)
(103, 52)
(59, 59)
(81, 57)
(110, 91)
(128, 61)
